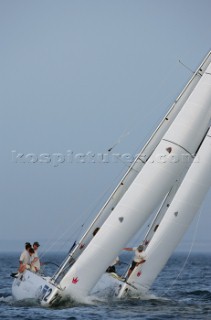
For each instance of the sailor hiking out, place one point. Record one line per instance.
(139, 258)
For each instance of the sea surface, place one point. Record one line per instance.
(182, 291)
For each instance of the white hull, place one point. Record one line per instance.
(106, 287)
(30, 285)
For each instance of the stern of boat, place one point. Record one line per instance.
(29, 285)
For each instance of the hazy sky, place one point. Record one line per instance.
(76, 78)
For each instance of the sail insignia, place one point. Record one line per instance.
(75, 280)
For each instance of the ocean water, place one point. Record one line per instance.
(182, 291)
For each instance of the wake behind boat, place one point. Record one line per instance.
(167, 170)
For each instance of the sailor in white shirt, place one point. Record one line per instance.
(140, 257)
(35, 261)
(25, 258)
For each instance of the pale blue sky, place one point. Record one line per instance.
(79, 76)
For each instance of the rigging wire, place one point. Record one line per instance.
(186, 67)
(122, 136)
(136, 118)
(188, 255)
(126, 164)
(76, 226)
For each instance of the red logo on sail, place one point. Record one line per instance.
(75, 280)
(139, 274)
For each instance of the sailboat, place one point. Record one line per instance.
(168, 179)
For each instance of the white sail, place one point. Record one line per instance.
(179, 216)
